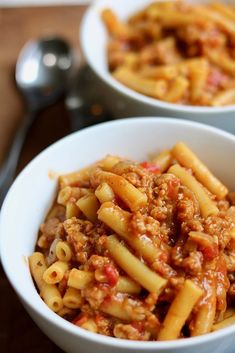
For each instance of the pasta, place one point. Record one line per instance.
(189, 160)
(140, 250)
(179, 311)
(89, 205)
(63, 251)
(55, 272)
(49, 292)
(133, 267)
(175, 51)
(72, 298)
(207, 206)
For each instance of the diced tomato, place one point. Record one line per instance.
(99, 318)
(163, 257)
(210, 252)
(173, 186)
(79, 320)
(138, 325)
(111, 274)
(151, 167)
(107, 300)
(221, 266)
(216, 78)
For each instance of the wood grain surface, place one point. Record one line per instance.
(18, 333)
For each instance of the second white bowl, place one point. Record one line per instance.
(124, 102)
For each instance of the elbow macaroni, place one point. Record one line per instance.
(176, 52)
(130, 237)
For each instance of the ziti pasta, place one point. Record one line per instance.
(141, 251)
(175, 51)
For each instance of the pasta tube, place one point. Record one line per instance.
(134, 267)
(207, 206)
(198, 73)
(75, 178)
(52, 297)
(63, 251)
(177, 89)
(189, 160)
(206, 313)
(104, 193)
(163, 160)
(114, 26)
(152, 88)
(55, 272)
(115, 308)
(179, 311)
(118, 220)
(225, 97)
(71, 210)
(79, 279)
(49, 292)
(72, 298)
(89, 325)
(227, 322)
(109, 162)
(37, 265)
(89, 205)
(127, 285)
(134, 198)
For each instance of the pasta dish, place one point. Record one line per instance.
(176, 52)
(140, 251)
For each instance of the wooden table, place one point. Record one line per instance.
(18, 333)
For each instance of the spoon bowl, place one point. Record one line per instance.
(43, 70)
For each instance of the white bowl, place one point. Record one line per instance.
(123, 101)
(32, 194)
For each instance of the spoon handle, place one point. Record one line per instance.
(8, 169)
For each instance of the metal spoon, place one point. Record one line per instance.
(43, 70)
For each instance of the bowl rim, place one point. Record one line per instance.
(107, 78)
(47, 314)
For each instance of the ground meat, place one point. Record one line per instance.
(190, 261)
(162, 52)
(167, 187)
(52, 229)
(199, 36)
(75, 225)
(95, 294)
(79, 241)
(159, 211)
(136, 175)
(144, 225)
(220, 227)
(229, 257)
(130, 332)
(162, 267)
(191, 225)
(185, 210)
(193, 263)
(223, 205)
(96, 262)
(150, 301)
(104, 325)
